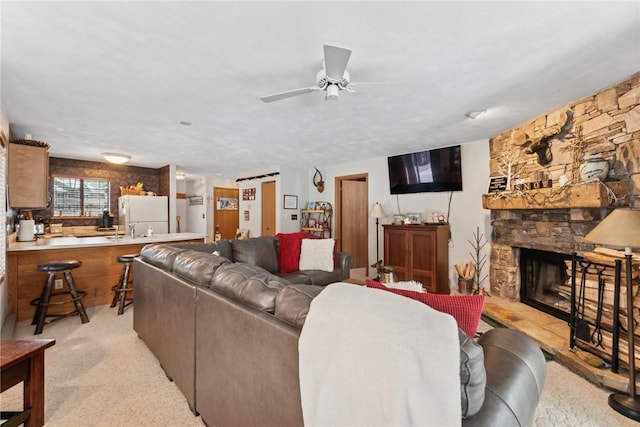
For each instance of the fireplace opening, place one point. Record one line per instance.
(545, 281)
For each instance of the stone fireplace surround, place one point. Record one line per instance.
(554, 230)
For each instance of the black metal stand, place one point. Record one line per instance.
(377, 241)
(628, 404)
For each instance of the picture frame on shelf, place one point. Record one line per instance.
(290, 201)
(398, 219)
(413, 218)
(311, 205)
(312, 222)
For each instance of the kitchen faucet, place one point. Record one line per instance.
(132, 230)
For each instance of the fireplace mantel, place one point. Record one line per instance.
(585, 195)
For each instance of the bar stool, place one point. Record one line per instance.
(44, 301)
(122, 287)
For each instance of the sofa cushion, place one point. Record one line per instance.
(160, 255)
(466, 309)
(289, 251)
(197, 267)
(473, 375)
(297, 277)
(249, 284)
(293, 301)
(317, 254)
(260, 251)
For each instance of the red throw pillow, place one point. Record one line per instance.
(289, 251)
(466, 309)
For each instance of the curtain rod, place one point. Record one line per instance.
(258, 176)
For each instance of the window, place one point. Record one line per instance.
(80, 197)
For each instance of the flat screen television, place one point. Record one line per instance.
(434, 170)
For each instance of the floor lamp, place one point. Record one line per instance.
(621, 228)
(377, 213)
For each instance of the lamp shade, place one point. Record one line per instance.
(377, 211)
(621, 228)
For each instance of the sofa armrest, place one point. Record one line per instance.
(345, 262)
(516, 371)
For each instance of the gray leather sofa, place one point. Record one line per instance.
(227, 334)
(264, 252)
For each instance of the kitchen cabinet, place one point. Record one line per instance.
(318, 219)
(28, 176)
(420, 253)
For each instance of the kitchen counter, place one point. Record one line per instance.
(99, 272)
(67, 242)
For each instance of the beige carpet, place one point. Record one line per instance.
(101, 374)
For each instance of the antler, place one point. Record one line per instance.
(319, 184)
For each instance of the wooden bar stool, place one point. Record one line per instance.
(44, 301)
(122, 287)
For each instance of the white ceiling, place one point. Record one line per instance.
(90, 77)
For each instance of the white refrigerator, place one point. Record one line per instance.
(143, 212)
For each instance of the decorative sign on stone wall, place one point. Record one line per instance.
(498, 183)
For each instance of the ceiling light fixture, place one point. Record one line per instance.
(180, 176)
(116, 158)
(475, 114)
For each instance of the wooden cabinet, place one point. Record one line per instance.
(420, 253)
(318, 219)
(28, 176)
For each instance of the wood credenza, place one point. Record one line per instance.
(420, 253)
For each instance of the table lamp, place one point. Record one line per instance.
(377, 213)
(621, 229)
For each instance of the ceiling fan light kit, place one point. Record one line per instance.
(332, 78)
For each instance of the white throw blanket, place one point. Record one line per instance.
(369, 357)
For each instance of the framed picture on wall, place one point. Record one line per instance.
(290, 202)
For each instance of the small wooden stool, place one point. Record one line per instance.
(123, 287)
(44, 301)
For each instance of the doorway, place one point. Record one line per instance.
(225, 211)
(269, 208)
(352, 217)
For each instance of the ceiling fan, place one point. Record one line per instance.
(332, 78)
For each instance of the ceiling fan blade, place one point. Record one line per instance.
(335, 61)
(283, 95)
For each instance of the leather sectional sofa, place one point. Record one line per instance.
(227, 334)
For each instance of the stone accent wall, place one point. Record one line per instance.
(606, 123)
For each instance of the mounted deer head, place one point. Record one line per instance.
(317, 181)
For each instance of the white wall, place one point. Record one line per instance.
(4, 296)
(290, 181)
(466, 211)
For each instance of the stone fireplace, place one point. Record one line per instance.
(535, 212)
(558, 231)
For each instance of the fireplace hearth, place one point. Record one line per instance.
(545, 281)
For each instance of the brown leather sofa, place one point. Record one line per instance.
(227, 334)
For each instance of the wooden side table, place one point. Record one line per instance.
(23, 361)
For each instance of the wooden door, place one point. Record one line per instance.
(396, 249)
(354, 220)
(269, 208)
(226, 215)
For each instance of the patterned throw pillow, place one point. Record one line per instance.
(466, 309)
